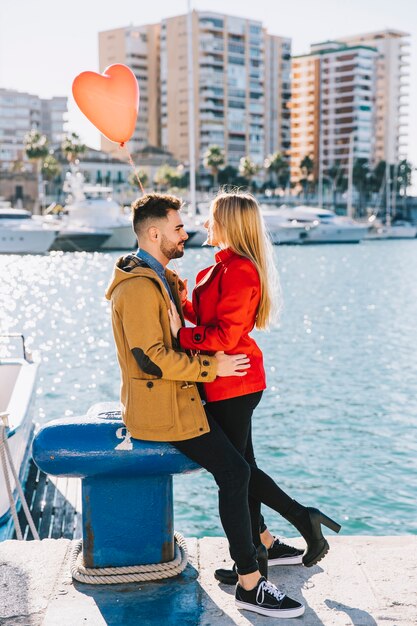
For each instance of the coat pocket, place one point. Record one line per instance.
(152, 404)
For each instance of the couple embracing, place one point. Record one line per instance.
(162, 361)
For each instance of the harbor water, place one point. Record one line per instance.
(337, 426)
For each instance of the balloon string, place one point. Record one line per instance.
(122, 145)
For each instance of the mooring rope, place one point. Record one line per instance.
(131, 574)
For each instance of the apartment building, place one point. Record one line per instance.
(20, 112)
(241, 84)
(392, 91)
(277, 90)
(138, 48)
(333, 106)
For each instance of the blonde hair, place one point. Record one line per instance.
(242, 229)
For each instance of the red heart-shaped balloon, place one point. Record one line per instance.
(109, 100)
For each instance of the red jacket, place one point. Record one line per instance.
(224, 307)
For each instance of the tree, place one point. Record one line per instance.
(278, 168)
(361, 177)
(51, 168)
(248, 169)
(72, 147)
(229, 175)
(133, 181)
(213, 160)
(306, 168)
(404, 172)
(36, 148)
(377, 179)
(337, 180)
(168, 176)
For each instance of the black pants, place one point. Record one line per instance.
(215, 452)
(234, 416)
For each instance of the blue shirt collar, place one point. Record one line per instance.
(157, 267)
(151, 261)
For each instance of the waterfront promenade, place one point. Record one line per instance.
(363, 581)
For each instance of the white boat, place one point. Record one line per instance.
(194, 227)
(281, 230)
(20, 233)
(400, 229)
(92, 207)
(72, 238)
(17, 389)
(323, 225)
(284, 230)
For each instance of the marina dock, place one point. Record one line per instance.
(363, 581)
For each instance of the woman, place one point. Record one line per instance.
(229, 300)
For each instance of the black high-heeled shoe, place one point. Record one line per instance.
(230, 577)
(308, 521)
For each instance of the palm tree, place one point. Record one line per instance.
(337, 181)
(166, 176)
(72, 147)
(248, 169)
(404, 172)
(213, 160)
(277, 166)
(36, 148)
(307, 168)
(133, 178)
(362, 177)
(51, 168)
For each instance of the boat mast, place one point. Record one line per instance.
(349, 208)
(191, 112)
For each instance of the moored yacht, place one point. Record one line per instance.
(399, 229)
(323, 225)
(92, 220)
(92, 207)
(97, 210)
(21, 234)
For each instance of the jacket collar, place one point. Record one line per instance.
(224, 255)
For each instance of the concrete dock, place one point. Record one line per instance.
(363, 581)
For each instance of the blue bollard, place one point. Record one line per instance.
(127, 501)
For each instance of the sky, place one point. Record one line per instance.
(44, 44)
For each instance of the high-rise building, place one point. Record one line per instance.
(241, 79)
(53, 118)
(333, 107)
(277, 93)
(138, 48)
(392, 83)
(241, 85)
(21, 112)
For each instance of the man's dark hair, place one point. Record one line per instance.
(152, 206)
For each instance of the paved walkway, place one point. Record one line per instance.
(363, 581)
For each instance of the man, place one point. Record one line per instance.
(159, 396)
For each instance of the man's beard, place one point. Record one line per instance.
(169, 249)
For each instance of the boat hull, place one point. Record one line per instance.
(121, 238)
(73, 241)
(321, 234)
(19, 404)
(22, 241)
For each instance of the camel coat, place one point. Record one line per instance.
(159, 396)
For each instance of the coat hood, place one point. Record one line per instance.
(130, 266)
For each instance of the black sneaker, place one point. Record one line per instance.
(282, 554)
(266, 599)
